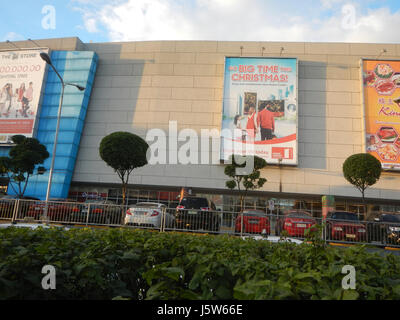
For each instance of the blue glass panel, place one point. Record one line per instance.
(77, 67)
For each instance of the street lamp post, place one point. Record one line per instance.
(47, 59)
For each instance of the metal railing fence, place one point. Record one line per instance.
(203, 220)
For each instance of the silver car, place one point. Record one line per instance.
(148, 214)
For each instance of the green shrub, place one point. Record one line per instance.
(139, 264)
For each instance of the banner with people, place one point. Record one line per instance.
(21, 78)
(260, 109)
(381, 83)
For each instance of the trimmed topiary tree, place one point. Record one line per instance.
(247, 181)
(22, 161)
(362, 170)
(124, 152)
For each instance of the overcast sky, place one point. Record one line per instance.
(236, 20)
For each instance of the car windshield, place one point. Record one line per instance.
(255, 213)
(344, 216)
(390, 218)
(298, 215)
(94, 201)
(194, 203)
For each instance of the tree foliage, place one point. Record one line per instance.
(124, 152)
(245, 181)
(23, 158)
(362, 170)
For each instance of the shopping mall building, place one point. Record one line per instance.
(323, 99)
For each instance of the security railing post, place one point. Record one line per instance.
(272, 225)
(162, 229)
(15, 211)
(241, 224)
(123, 216)
(87, 215)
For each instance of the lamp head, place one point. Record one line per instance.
(45, 57)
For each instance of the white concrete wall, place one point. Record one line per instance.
(144, 85)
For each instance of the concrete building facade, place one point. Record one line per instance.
(145, 85)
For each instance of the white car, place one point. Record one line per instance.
(148, 214)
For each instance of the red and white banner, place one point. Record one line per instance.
(260, 109)
(21, 79)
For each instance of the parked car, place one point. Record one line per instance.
(7, 205)
(97, 212)
(254, 221)
(197, 213)
(343, 225)
(295, 223)
(57, 209)
(385, 228)
(149, 214)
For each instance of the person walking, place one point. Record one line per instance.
(266, 122)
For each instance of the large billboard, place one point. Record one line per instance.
(21, 78)
(381, 83)
(260, 108)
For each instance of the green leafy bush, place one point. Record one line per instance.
(139, 264)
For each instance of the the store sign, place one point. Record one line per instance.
(381, 83)
(21, 79)
(271, 205)
(260, 109)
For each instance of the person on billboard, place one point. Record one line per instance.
(3, 96)
(266, 122)
(237, 121)
(9, 96)
(28, 97)
(251, 127)
(20, 96)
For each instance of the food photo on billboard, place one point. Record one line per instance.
(381, 83)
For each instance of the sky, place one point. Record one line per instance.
(373, 21)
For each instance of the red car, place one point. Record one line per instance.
(343, 225)
(254, 221)
(56, 210)
(295, 223)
